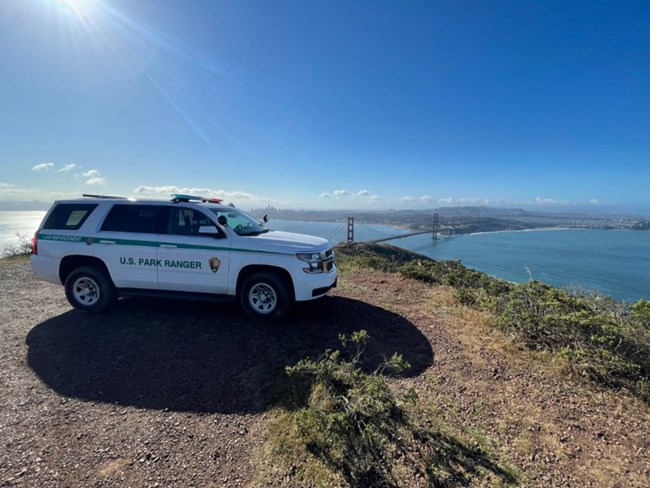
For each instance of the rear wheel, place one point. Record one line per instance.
(265, 296)
(89, 289)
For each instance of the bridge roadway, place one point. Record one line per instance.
(416, 233)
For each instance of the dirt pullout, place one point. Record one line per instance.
(164, 393)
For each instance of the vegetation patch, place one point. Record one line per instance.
(21, 248)
(603, 339)
(347, 427)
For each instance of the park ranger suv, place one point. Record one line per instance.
(101, 248)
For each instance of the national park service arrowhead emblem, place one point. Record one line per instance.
(214, 264)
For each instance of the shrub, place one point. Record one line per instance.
(641, 314)
(343, 426)
(610, 347)
(352, 420)
(22, 248)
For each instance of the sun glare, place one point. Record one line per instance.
(81, 8)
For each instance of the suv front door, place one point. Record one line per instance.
(189, 261)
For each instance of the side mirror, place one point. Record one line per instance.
(222, 220)
(265, 219)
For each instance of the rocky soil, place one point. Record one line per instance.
(164, 393)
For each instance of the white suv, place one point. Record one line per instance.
(102, 248)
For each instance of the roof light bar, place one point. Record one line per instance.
(181, 197)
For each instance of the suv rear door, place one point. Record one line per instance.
(127, 242)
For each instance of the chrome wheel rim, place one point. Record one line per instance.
(262, 298)
(85, 291)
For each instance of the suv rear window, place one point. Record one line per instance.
(147, 219)
(69, 216)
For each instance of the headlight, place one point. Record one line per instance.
(314, 260)
(308, 256)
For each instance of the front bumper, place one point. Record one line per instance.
(310, 286)
(319, 292)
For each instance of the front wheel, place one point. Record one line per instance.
(89, 289)
(265, 296)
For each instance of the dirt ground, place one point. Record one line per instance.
(165, 393)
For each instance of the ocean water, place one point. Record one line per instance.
(18, 222)
(616, 263)
(613, 262)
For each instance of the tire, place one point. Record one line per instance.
(90, 289)
(265, 296)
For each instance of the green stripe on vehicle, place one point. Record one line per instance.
(133, 242)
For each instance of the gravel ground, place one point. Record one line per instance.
(165, 393)
(152, 393)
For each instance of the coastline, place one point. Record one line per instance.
(537, 229)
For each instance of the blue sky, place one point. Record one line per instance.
(350, 104)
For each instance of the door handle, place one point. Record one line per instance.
(106, 242)
(168, 246)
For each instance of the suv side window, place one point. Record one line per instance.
(147, 219)
(186, 221)
(69, 216)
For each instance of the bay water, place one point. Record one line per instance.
(616, 263)
(612, 262)
(20, 222)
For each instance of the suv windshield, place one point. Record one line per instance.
(239, 221)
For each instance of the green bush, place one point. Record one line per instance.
(352, 420)
(613, 351)
(344, 426)
(641, 314)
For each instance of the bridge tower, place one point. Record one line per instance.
(436, 225)
(350, 229)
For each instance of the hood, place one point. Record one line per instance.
(288, 240)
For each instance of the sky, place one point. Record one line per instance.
(338, 104)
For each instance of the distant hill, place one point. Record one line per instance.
(463, 220)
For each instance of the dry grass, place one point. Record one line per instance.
(14, 259)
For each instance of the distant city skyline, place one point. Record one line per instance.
(310, 105)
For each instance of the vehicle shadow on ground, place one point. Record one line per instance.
(201, 357)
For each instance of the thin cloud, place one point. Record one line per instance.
(12, 192)
(43, 167)
(166, 190)
(360, 196)
(550, 201)
(67, 168)
(93, 177)
(408, 198)
(96, 181)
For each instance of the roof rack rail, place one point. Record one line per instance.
(89, 195)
